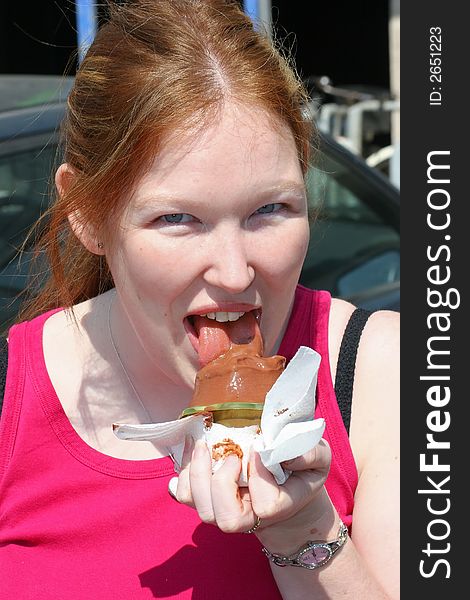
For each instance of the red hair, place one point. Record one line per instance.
(155, 68)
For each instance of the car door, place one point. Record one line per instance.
(25, 171)
(354, 249)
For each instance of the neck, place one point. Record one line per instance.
(158, 397)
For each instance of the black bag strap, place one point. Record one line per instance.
(3, 368)
(344, 381)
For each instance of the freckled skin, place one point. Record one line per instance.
(225, 249)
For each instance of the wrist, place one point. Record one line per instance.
(317, 521)
(313, 554)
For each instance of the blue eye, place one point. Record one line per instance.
(269, 208)
(177, 218)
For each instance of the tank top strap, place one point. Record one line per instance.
(19, 347)
(308, 326)
(13, 394)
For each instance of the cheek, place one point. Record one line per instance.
(285, 253)
(149, 268)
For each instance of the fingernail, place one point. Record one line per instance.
(172, 486)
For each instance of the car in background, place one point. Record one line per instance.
(354, 249)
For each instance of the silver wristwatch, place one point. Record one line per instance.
(313, 554)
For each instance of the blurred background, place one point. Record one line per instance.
(348, 54)
(347, 51)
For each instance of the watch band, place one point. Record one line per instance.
(313, 554)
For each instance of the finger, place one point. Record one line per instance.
(172, 487)
(318, 459)
(273, 502)
(264, 490)
(183, 489)
(305, 483)
(232, 506)
(200, 475)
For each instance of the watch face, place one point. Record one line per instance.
(315, 556)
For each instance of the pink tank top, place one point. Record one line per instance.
(75, 523)
(308, 326)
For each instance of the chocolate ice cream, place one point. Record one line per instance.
(234, 385)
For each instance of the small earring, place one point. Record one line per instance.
(100, 245)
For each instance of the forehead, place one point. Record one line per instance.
(241, 147)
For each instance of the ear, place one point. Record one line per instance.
(64, 178)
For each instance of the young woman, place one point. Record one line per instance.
(182, 195)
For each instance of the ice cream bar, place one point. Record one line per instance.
(233, 386)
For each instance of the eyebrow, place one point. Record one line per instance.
(289, 187)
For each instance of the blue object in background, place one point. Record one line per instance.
(260, 12)
(251, 9)
(87, 21)
(87, 25)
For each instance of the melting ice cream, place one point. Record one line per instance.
(233, 385)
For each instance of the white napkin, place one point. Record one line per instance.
(287, 424)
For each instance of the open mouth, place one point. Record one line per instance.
(211, 334)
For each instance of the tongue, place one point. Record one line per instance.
(216, 338)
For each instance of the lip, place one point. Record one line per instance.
(225, 307)
(219, 307)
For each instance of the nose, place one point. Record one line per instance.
(229, 266)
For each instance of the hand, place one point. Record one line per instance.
(290, 513)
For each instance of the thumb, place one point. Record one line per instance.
(316, 459)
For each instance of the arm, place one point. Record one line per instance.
(366, 567)
(375, 439)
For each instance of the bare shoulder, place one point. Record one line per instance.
(378, 356)
(375, 405)
(375, 442)
(376, 401)
(383, 329)
(68, 348)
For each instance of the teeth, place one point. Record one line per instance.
(223, 317)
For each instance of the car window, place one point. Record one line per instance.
(24, 193)
(353, 247)
(24, 186)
